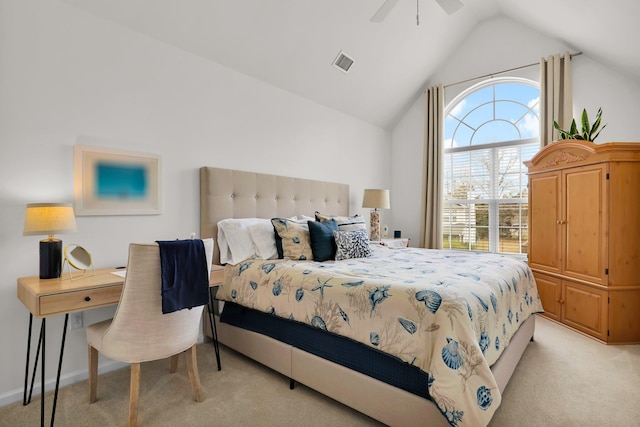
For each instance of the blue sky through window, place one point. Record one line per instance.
(495, 113)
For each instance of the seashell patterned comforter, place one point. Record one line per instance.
(451, 313)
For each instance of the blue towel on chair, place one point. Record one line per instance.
(185, 280)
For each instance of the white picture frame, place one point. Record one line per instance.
(116, 182)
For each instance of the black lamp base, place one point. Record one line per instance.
(50, 258)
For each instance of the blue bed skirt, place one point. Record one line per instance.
(329, 346)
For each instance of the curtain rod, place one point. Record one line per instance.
(502, 72)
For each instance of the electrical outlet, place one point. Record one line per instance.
(76, 320)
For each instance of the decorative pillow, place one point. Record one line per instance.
(277, 236)
(295, 240)
(323, 244)
(234, 239)
(352, 244)
(264, 239)
(345, 223)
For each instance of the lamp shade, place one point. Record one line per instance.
(376, 199)
(49, 218)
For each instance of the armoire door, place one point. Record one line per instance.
(545, 251)
(584, 222)
(585, 309)
(550, 291)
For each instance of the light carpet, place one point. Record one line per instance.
(563, 379)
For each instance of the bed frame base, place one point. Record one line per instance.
(378, 400)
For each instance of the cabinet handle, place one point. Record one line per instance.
(87, 299)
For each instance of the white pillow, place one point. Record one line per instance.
(264, 239)
(234, 239)
(345, 223)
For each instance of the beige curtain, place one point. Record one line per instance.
(431, 207)
(556, 98)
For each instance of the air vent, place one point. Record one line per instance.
(343, 62)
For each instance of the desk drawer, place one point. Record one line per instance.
(79, 300)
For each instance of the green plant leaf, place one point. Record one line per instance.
(593, 137)
(586, 127)
(574, 129)
(596, 123)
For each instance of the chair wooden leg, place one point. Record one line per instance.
(194, 377)
(133, 394)
(174, 363)
(93, 374)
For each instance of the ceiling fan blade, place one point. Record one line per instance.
(450, 6)
(384, 10)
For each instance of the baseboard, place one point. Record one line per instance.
(65, 380)
(16, 395)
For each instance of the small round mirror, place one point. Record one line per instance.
(77, 257)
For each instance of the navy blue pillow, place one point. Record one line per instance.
(279, 245)
(323, 245)
(278, 239)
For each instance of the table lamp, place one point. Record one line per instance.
(375, 199)
(49, 218)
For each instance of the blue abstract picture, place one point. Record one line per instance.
(122, 181)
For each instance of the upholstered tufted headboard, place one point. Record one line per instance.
(226, 193)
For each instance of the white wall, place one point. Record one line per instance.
(68, 77)
(495, 45)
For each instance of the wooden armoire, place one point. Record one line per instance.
(584, 236)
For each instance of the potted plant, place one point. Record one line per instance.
(588, 132)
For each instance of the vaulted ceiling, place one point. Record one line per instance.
(292, 44)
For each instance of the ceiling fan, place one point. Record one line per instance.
(449, 6)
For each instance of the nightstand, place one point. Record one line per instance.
(393, 243)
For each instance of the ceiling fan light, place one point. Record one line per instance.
(450, 6)
(384, 10)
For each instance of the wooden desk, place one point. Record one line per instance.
(50, 297)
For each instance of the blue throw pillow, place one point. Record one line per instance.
(323, 244)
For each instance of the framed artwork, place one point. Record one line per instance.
(114, 182)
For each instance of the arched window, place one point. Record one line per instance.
(490, 129)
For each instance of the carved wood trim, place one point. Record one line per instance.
(562, 157)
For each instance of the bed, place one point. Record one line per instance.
(350, 366)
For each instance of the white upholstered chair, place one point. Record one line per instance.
(139, 331)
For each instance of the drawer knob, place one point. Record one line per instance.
(87, 299)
